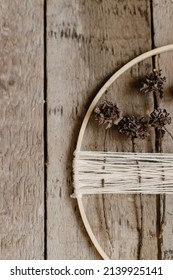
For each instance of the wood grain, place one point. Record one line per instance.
(87, 42)
(21, 90)
(163, 35)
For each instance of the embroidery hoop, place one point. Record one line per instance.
(112, 79)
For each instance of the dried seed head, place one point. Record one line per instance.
(159, 118)
(153, 82)
(133, 127)
(107, 113)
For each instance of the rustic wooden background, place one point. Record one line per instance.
(54, 56)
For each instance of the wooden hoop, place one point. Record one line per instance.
(113, 78)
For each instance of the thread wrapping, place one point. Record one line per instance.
(122, 173)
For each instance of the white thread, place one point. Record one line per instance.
(113, 172)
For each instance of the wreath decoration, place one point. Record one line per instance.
(91, 168)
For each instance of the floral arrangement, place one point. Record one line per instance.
(130, 125)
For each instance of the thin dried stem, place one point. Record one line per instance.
(168, 132)
(133, 145)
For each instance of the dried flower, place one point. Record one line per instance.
(107, 113)
(133, 127)
(159, 118)
(153, 82)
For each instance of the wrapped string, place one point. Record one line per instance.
(122, 173)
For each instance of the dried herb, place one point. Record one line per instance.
(107, 113)
(133, 127)
(159, 118)
(153, 83)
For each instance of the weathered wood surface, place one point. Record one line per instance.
(87, 40)
(163, 35)
(21, 148)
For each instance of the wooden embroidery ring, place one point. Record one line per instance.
(113, 78)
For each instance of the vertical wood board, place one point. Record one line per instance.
(21, 90)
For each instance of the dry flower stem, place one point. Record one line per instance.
(168, 132)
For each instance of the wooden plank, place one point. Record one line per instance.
(22, 169)
(163, 35)
(87, 42)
